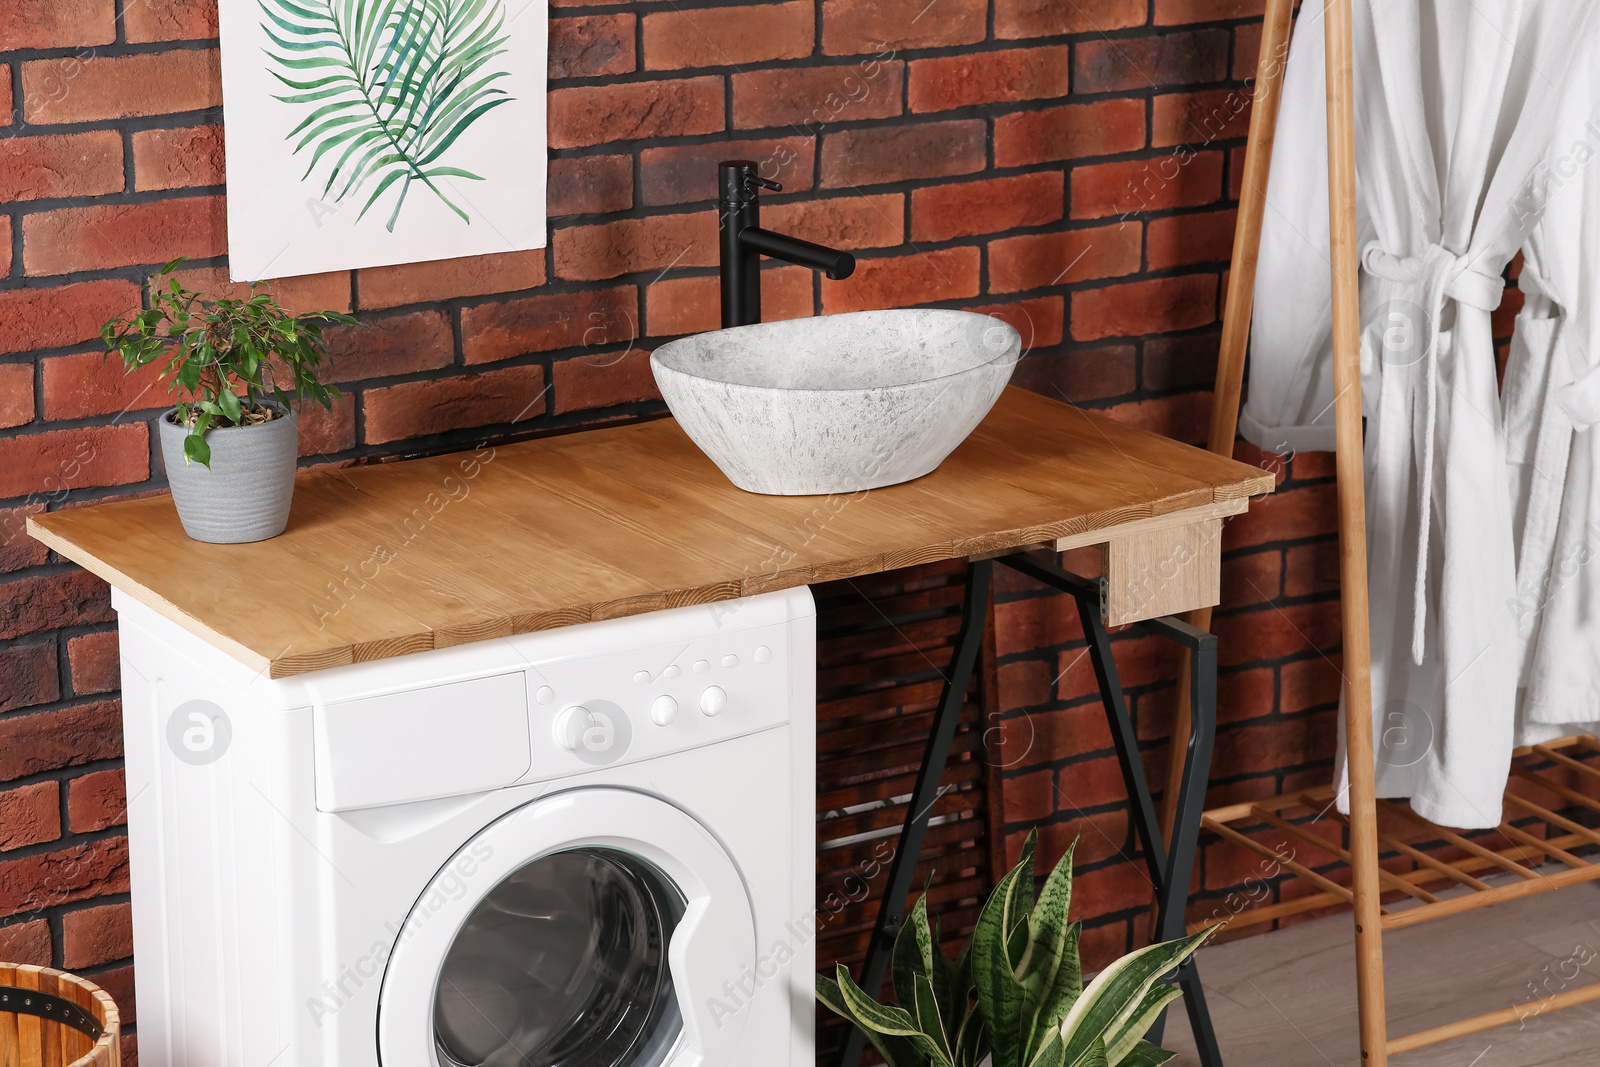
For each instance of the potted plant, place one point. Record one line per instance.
(234, 366)
(1014, 997)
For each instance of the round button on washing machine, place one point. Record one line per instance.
(763, 654)
(701, 666)
(569, 727)
(596, 731)
(713, 700)
(641, 677)
(663, 711)
(730, 661)
(672, 671)
(544, 694)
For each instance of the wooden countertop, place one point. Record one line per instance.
(395, 558)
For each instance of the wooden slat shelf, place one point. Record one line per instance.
(1517, 870)
(617, 521)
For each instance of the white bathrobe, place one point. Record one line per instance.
(1552, 402)
(1455, 109)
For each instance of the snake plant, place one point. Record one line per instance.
(1016, 991)
(387, 86)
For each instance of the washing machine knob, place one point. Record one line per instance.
(570, 725)
(713, 700)
(663, 711)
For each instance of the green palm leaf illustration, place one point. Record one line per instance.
(387, 86)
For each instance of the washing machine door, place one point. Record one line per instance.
(593, 928)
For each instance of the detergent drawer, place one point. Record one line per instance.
(446, 740)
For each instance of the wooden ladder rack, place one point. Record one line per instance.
(1545, 778)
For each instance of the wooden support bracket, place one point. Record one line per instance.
(1162, 572)
(1153, 567)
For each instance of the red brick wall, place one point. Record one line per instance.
(1071, 166)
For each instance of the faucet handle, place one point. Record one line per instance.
(738, 180)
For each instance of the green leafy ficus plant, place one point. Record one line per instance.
(223, 358)
(1015, 993)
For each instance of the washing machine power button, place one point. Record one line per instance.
(663, 711)
(569, 727)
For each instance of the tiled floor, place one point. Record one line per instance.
(1287, 999)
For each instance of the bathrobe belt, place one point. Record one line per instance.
(1439, 275)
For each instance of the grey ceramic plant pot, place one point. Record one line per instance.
(245, 494)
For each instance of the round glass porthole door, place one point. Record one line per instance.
(587, 928)
(563, 964)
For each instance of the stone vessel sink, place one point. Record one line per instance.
(838, 403)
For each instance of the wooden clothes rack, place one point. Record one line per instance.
(1551, 770)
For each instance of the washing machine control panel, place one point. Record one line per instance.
(652, 702)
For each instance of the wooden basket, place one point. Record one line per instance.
(50, 1018)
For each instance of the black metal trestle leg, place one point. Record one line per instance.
(1186, 838)
(1170, 867)
(892, 908)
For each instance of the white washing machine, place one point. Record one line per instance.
(588, 847)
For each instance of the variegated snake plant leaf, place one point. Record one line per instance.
(1016, 992)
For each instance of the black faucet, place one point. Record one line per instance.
(744, 242)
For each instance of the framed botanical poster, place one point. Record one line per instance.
(364, 133)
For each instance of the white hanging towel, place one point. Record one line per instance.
(1455, 108)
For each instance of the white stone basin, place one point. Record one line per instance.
(839, 403)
